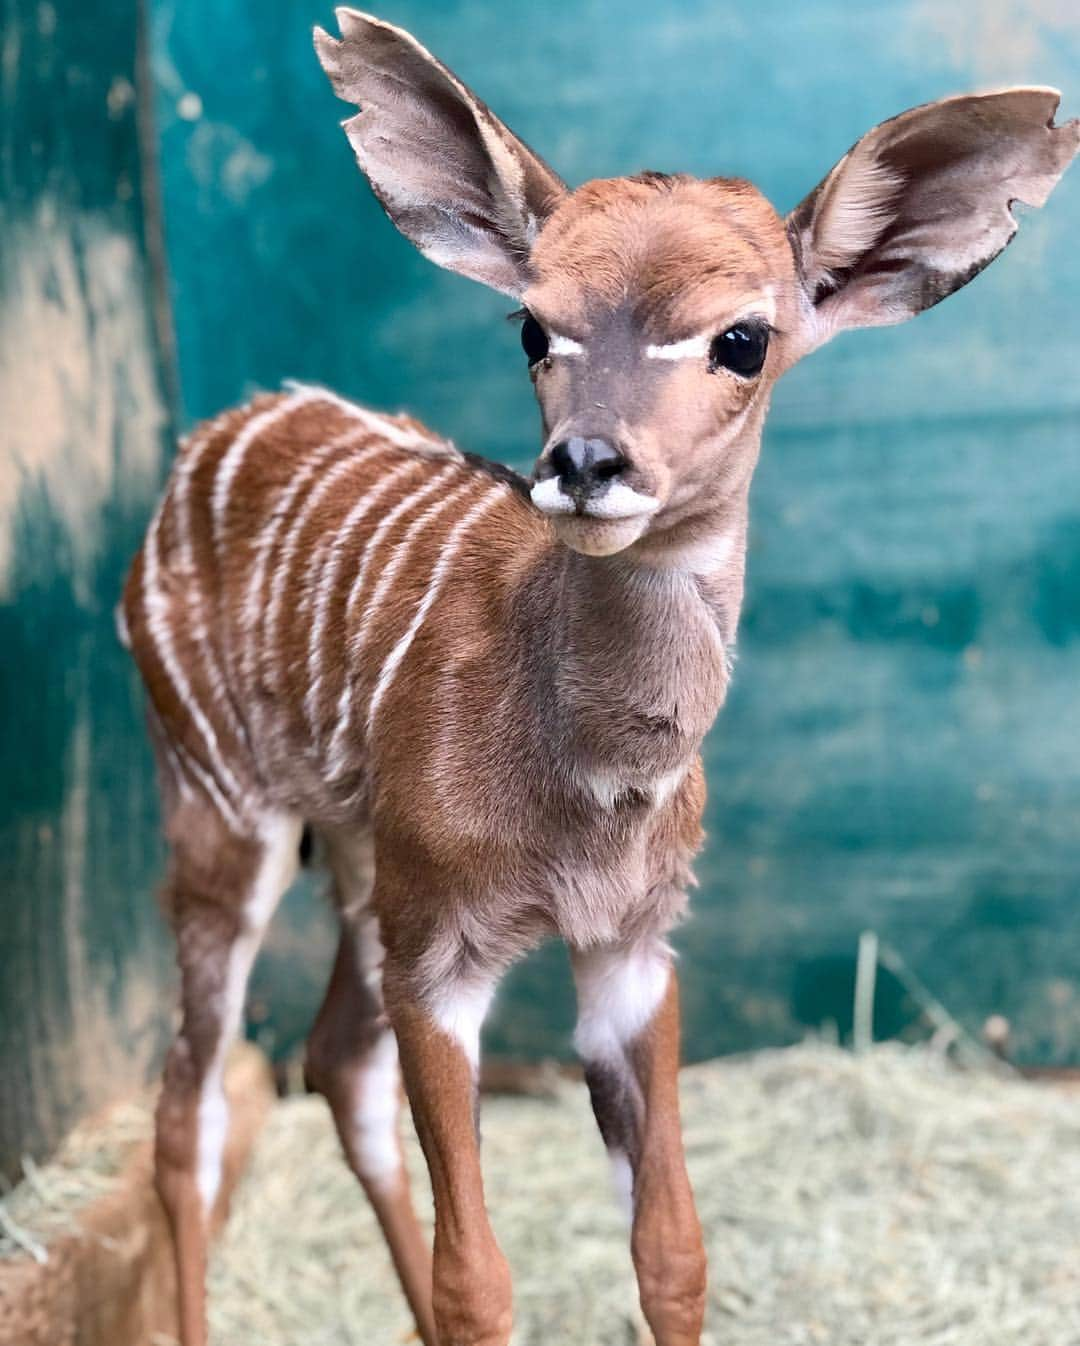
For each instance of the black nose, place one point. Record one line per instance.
(583, 464)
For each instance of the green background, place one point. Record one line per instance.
(901, 750)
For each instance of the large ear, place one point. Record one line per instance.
(452, 178)
(922, 203)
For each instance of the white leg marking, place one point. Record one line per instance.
(281, 838)
(233, 458)
(622, 1179)
(159, 616)
(438, 577)
(375, 1115)
(619, 991)
(459, 1011)
(311, 700)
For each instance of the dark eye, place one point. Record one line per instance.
(742, 349)
(534, 340)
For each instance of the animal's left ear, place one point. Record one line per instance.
(922, 203)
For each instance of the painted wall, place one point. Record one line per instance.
(83, 431)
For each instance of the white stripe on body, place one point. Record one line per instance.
(338, 761)
(283, 570)
(281, 838)
(253, 608)
(389, 572)
(378, 422)
(329, 575)
(233, 458)
(159, 615)
(450, 547)
(210, 786)
(196, 626)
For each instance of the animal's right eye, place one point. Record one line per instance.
(534, 340)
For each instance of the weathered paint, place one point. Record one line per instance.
(84, 424)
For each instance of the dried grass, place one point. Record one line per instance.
(880, 1200)
(47, 1203)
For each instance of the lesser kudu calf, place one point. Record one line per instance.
(487, 695)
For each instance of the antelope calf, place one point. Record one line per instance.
(487, 695)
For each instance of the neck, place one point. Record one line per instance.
(635, 650)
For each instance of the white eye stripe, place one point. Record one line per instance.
(693, 348)
(563, 345)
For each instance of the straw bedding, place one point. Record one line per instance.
(880, 1200)
(886, 1199)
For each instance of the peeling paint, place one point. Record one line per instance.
(83, 413)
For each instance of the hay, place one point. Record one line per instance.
(880, 1200)
(51, 1197)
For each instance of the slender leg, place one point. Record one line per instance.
(440, 1046)
(352, 1060)
(221, 892)
(628, 1038)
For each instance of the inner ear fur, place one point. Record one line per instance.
(923, 202)
(453, 179)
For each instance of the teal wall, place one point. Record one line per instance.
(84, 431)
(902, 746)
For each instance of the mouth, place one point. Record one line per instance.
(597, 523)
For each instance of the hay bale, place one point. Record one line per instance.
(85, 1253)
(880, 1200)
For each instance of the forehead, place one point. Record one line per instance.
(674, 250)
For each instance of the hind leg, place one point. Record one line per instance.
(222, 890)
(352, 1061)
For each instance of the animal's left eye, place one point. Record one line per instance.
(534, 340)
(741, 349)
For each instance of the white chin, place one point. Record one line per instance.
(598, 537)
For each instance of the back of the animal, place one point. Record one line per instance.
(260, 572)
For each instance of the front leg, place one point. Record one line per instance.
(438, 1038)
(628, 1038)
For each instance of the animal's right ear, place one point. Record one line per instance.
(452, 178)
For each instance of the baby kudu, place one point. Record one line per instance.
(485, 696)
